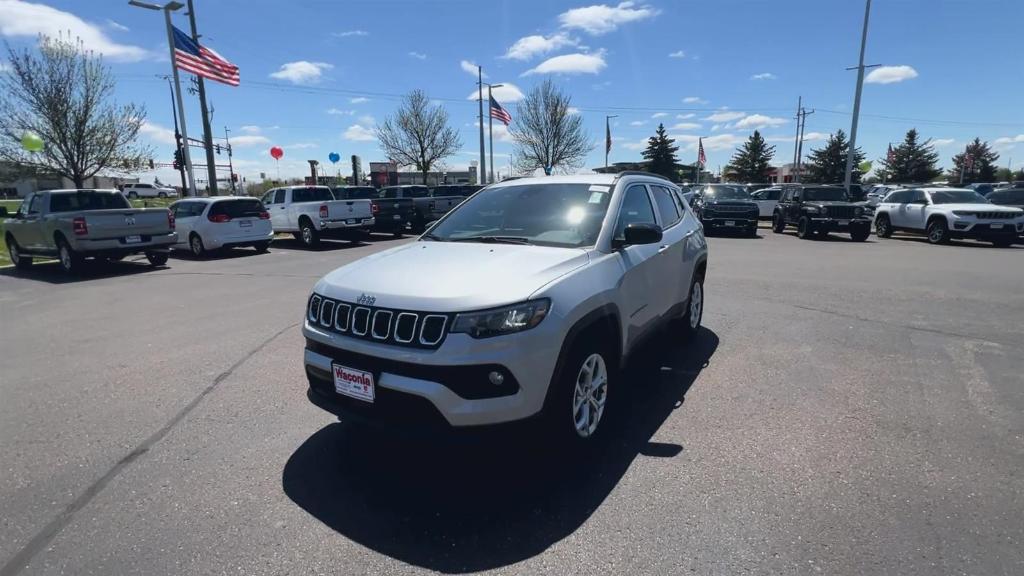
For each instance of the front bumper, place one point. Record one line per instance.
(446, 387)
(737, 221)
(989, 230)
(839, 225)
(238, 240)
(90, 247)
(346, 224)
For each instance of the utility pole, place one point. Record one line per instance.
(800, 143)
(796, 137)
(480, 95)
(211, 166)
(177, 134)
(231, 167)
(851, 153)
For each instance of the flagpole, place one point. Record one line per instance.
(480, 95)
(490, 130)
(607, 138)
(181, 106)
(699, 167)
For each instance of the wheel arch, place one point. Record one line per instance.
(603, 319)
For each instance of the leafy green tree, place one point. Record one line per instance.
(827, 165)
(1003, 175)
(752, 160)
(982, 168)
(661, 154)
(912, 160)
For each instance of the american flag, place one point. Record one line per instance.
(701, 159)
(500, 113)
(890, 156)
(202, 61)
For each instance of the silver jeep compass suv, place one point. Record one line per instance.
(523, 301)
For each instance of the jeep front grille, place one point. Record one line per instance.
(841, 212)
(994, 215)
(384, 325)
(733, 209)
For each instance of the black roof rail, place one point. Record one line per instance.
(639, 173)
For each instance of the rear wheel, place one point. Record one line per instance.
(804, 228)
(308, 235)
(694, 308)
(938, 231)
(860, 233)
(157, 258)
(883, 227)
(262, 247)
(161, 195)
(133, 195)
(70, 261)
(778, 223)
(195, 245)
(20, 262)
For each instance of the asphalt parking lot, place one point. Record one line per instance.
(849, 408)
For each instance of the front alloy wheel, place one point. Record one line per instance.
(590, 395)
(778, 223)
(938, 232)
(195, 244)
(804, 228)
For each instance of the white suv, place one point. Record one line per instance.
(523, 301)
(945, 213)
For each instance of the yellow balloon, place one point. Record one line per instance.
(32, 142)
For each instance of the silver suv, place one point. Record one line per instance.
(522, 302)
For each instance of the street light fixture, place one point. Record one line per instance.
(490, 122)
(167, 9)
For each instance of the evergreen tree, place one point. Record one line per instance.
(912, 161)
(661, 154)
(752, 160)
(828, 165)
(983, 165)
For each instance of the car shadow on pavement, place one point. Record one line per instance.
(219, 254)
(52, 273)
(963, 243)
(833, 237)
(493, 500)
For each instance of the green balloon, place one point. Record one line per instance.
(32, 142)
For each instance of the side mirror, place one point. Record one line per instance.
(641, 233)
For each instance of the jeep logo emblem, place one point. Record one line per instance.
(365, 300)
(130, 220)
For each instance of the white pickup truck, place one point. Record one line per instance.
(309, 212)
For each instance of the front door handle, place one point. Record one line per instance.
(662, 248)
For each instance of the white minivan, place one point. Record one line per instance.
(222, 222)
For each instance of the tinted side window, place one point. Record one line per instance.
(279, 197)
(787, 196)
(268, 198)
(636, 209)
(237, 208)
(667, 209)
(389, 193)
(900, 197)
(917, 196)
(773, 194)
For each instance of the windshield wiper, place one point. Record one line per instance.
(494, 239)
(433, 237)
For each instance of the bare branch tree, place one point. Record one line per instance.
(418, 134)
(547, 134)
(64, 93)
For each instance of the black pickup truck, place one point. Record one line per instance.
(390, 214)
(428, 207)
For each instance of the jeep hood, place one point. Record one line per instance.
(451, 276)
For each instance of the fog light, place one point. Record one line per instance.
(496, 378)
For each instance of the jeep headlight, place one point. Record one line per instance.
(814, 209)
(858, 211)
(962, 212)
(505, 320)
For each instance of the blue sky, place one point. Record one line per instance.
(317, 75)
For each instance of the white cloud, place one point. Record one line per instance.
(635, 145)
(358, 100)
(572, 110)
(685, 116)
(529, 46)
(659, 114)
(358, 133)
(1005, 140)
(808, 137)
(601, 18)
(4, 67)
(157, 133)
(301, 146)
(340, 112)
(469, 67)
(760, 121)
(501, 133)
(943, 141)
(694, 100)
(349, 33)
(249, 140)
(890, 74)
(677, 54)
(764, 76)
(418, 55)
(713, 143)
(25, 19)
(571, 64)
(507, 92)
(725, 116)
(117, 26)
(367, 120)
(716, 127)
(250, 129)
(686, 126)
(302, 72)
(638, 123)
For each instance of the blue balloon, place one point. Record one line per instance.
(334, 157)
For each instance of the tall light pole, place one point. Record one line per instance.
(851, 153)
(211, 166)
(480, 98)
(177, 134)
(607, 138)
(490, 125)
(167, 9)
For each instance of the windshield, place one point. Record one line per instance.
(825, 194)
(318, 194)
(238, 208)
(958, 197)
(725, 193)
(565, 215)
(356, 193)
(87, 200)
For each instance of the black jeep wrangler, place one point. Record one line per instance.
(816, 210)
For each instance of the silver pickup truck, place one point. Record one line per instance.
(75, 224)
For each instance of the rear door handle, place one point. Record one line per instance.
(662, 248)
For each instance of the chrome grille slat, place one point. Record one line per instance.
(327, 309)
(382, 325)
(412, 329)
(361, 321)
(387, 328)
(341, 322)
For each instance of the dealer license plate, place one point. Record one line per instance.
(245, 223)
(995, 226)
(352, 221)
(132, 239)
(355, 383)
(730, 222)
(844, 222)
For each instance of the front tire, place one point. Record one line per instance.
(133, 195)
(860, 233)
(262, 247)
(161, 195)
(938, 231)
(577, 413)
(20, 262)
(778, 223)
(195, 245)
(694, 308)
(883, 227)
(804, 228)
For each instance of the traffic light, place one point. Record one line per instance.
(178, 159)
(234, 177)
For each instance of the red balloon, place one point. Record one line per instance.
(276, 152)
